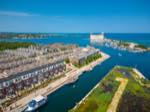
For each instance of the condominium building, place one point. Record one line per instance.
(9, 86)
(81, 54)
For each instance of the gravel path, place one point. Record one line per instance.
(113, 105)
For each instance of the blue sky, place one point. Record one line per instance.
(75, 16)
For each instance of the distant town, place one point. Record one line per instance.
(6, 35)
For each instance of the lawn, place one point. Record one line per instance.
(101, 96)
(14, 45)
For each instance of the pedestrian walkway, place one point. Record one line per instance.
(113, 105)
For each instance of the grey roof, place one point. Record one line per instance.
(26, 72)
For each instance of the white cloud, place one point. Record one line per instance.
(13, 13)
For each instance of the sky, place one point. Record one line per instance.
(75, 16)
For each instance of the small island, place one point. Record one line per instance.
(122, 87)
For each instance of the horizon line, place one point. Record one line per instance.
(69, 32)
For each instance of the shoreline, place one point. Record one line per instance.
(70, 77)
(84, 98)
(139, 73)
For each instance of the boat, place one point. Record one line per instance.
(119, 54)
(72, 81)
(35, 103)
(74, 86)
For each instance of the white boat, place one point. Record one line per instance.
(35, 103)
(119, 54)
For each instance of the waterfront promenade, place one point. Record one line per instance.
(68, 78)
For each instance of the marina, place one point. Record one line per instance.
(102, 40)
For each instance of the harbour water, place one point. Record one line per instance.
(66, 97)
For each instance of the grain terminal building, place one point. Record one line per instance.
(97, 37)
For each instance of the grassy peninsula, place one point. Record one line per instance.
(135, 97)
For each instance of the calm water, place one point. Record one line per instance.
(66, 97)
